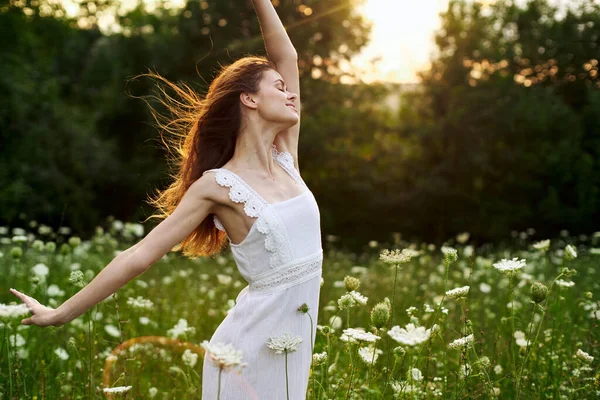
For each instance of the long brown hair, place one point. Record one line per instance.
(202, 135)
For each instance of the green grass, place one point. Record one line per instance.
(200, 291)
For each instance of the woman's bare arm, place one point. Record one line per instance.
(195, 205)
(282, 53)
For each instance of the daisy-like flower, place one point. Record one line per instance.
(9, 311)
(369, 354)
(584, 356)
(359, 298)
(570, 252)
(509, 267)
(562, 283)
(286, 342)
(224, 355)
(461, 342)
(359, 335)
(398, 257)
(117, 389)
(458, 292)
(411, 335)
(542, 245)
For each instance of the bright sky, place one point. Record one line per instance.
(402, 36)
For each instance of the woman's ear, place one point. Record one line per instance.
(248, 100)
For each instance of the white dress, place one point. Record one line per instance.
(281, 258)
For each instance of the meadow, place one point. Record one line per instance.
(399, 320)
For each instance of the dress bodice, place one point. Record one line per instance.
(283, 245)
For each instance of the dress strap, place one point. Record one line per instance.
(285, 159)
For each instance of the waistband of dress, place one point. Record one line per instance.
(288, 274)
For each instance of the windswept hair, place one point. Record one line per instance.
(201, 135)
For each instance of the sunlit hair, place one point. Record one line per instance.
(201, 135)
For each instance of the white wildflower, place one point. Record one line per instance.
(61, 353)
(189, 358)
(359, 335)
(570, 252)
(8, 311)
(224, 355)
(411, 335)
(398, 257)
(285, 342)
(346, 301)
(140, 303)
(484, 287)
(117, 389)
(584, 356)
(509, 267)
(224, 279)
(458, 292)
(319, 358)
(562, 283)
(181, 329)
(498, 369)
(359, 298)
(461, 342)
(369, 354)
(542, 245)
(112, 330)
(416, 374)
(40, 270)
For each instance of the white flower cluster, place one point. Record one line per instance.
(542, 245)
(369, 355)
(458, 292)
(398, 257)
(181, 329)
(354, 335)
(319, 358)
(224, 355)
(286, 342)
(509, 266)
(411, 335)
(562, 283)
(461, 342)
(359, 298)
(117, 389)
(8, 311)
(584, 356)
(140, 303)
(189, 358)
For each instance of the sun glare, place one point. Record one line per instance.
(401, 38)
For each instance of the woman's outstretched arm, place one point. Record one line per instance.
(195, 205)
(281, 51)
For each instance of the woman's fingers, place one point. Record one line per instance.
(29, 301)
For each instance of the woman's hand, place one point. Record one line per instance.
(41, 315)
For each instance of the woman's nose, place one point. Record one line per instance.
(292, 96)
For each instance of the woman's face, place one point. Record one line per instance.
(275, 103)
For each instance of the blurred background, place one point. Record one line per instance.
(420, 119)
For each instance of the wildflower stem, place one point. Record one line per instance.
(8, 357)
(351, 372)
(526, 353)
(312, 349)
(512, 324)
(287, 387)
(387, 343)
(219, 384)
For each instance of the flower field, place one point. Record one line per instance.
(397, 321)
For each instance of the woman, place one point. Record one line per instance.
(238, 162)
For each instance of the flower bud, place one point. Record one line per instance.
(539, 292)
(65, 249)
(380, 315)
(16, 252)
(351, 283)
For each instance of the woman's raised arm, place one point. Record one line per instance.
(282, 53)
(195, 205)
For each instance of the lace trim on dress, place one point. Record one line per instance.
(291, 275)
(268, 223)
(285, 159)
